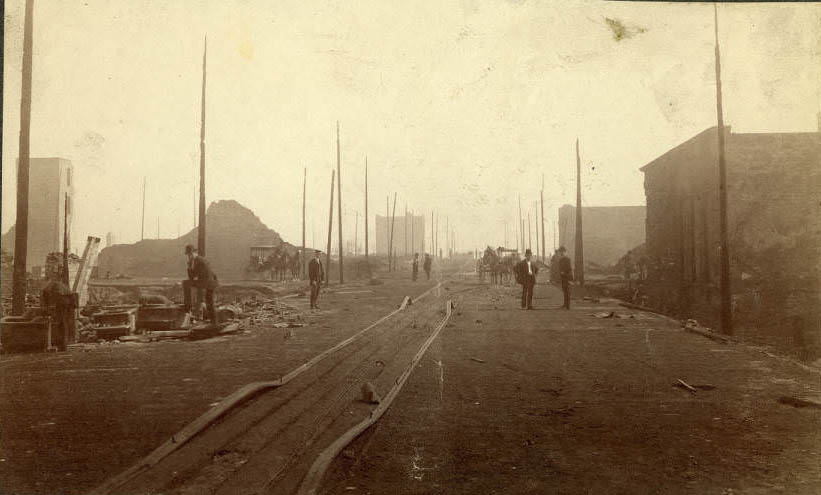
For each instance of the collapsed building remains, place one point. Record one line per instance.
(774, 189)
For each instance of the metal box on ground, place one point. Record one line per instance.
(18, 334)
(161, 318)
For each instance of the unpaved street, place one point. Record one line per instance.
(549, 401)
(504, 401)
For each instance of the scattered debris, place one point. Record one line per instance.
(369, 394)
(590, 299)
(477, 360)
(799, 403)
(604, 314)
(681, 383)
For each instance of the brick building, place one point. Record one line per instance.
(774, 194)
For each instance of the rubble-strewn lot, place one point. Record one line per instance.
(70, 420)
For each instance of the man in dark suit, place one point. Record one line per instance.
(526, 272)
(566, 274)
(315, 275)
(427, 265)
(200, 276)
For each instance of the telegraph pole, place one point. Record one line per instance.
(529, 239)
(339, 200)
(356, 234)
(726, 298)
(366, 206)
(387, 228)
(521, 225)
(304, 256)
(579, 233)
(65, 241)
(393, 219)
(405, 225)
(541, 198)
(142, 226)
(201, 228)
(21, 229)
(330, 225)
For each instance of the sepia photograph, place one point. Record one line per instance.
(304, 247)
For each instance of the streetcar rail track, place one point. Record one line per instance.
(237, 398)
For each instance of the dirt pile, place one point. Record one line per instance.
(232, 230)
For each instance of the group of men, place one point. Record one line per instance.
(561, 271)
(202, 277)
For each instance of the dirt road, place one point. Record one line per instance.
(552, 401)
(504, 401)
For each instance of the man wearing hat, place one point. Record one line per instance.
(566, 274)
(315, 275)
(526, 272)
(200, 276)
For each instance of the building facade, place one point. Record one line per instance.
(774, 193)
(609, 231)
(51, 191)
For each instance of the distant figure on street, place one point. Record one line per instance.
(200, 276)
(566, 274)
(555, 275)
(427, 264)
(415, 266)
(526, 272)
(316, 274)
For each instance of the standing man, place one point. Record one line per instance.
(415, 266)
(526, 272)
(555, 277)
(315, 275)
(566, 274)
(200, 276)
(427, 265)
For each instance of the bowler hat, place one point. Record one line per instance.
(189, 249)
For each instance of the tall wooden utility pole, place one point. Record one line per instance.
(339, 200)
(21, 229)
(387, 229)
(432, 251)
(579, 232)
(201, 227)
(521, 226)
(356, 234)
(436, 242)
(405, 225)
(726, 298)
(536, 223)
(447, 237)
(393, 219)
(65, 241)
(330, 226)
(541, 198)
(413, 248)
(366, 206)
(529, 239)
(304, 256)
(142, 225)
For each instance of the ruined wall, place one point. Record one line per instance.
(231, 231)
(774, 189)
(609, 231)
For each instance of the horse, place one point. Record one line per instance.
(295, 266)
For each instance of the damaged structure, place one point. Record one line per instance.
(609, 232)
(774, 189)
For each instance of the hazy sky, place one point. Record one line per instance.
(459, 106)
